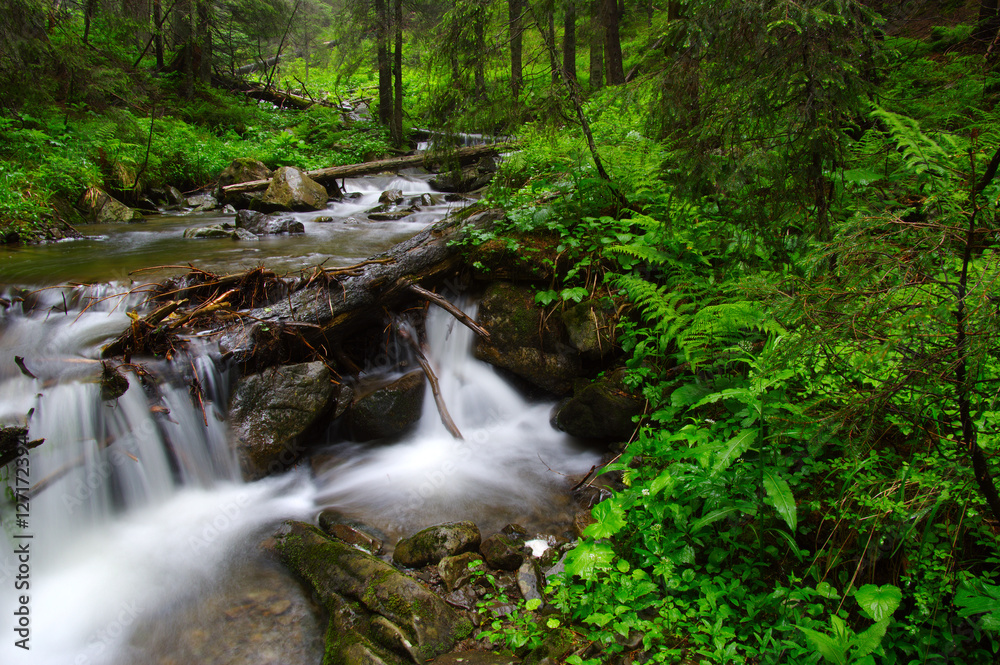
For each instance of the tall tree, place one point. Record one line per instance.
(397, 108)
(569, 39)
(613, 64)
(596, 45)
(515, 9)
(382, 23)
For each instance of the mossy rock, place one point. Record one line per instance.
(98, 207)
(243, 170)
(603, 409)
(383, 613)
(502, 552)
(589, 325)
(434, 543)
(524, 341)
(291, 189)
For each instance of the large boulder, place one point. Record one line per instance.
(98, 207)
(387, 410)
(243, 170)
(378, 614)
(467, 179)
(291, 189)
(602, 409)
(434, 543)
(240, 170)
(524, 341)
(267, 225)
(273, 411)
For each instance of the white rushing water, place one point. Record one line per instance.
(509, 467)
(137, 506)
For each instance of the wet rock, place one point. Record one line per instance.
(525, 342)
(421, 201)
(291, 189)
(243, 170)
(466, 179)
(389, 216)
(267, 225)
(454, 570)
(378, 614)
(387, 410)
(502, 552)
(391, 196)
(603, 409)
(202, 202)
(271, 412)
(168, 197)
(434, 543)
(588, 325)
(243, 234)
(323, 219)
(98, 207)
(213, 231)
(228, 210)
(529, 581)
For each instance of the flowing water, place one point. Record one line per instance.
(142, 544)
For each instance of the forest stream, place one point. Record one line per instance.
(146, 546)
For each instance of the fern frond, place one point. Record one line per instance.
(921, 153)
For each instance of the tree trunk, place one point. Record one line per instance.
(596, 46)
(569, 40)
(514, 11)
(988, 23)
(384, 66)
(613, 64)
(550, 32)
(397, 109)
(479, 29)
(203, 45)
(158, 36)
(462, 156)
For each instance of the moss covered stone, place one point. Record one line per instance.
(389, 612)
(434, 543)
(603, 410)
(387, 410)
(524, 341)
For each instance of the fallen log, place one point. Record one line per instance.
(429, 161)
(432, 379)
(444, 304)
(327, 310)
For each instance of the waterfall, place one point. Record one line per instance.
(510, 465)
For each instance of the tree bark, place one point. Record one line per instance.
(596, 46)
(158, 35)
(515, 29)
(988, 22)
(320, 314)
(569, 40)
(614, 67)
(397, 108)
(479, 29)
(384, 68)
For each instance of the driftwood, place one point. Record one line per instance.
(462, 317)
(431, 379)
(462, 156)
(130, 341)
(305, 314)
(12, 439)
(325, 311)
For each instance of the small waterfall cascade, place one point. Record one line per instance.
(510, 465)
(132, 502)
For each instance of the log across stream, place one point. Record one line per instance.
(146, 542)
